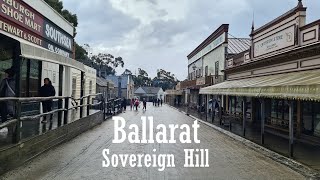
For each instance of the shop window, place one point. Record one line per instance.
(90, 87)
(311, 118)
(238, 104)
(34, 78)
(74, 86)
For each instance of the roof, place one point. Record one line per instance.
(115, 80)
(104, 82)
(147, 90)
(238, 45)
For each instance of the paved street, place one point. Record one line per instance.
(82, 157)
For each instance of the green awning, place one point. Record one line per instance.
(304, 85)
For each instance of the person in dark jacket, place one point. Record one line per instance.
(7, 89)
(47, 90)
(124, 104)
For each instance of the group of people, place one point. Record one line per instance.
(157, 102)
(135, 103)
(7, 90)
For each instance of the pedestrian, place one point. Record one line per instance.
(158, 102)
(124, 104)
(153, 101)
(131, 103)
(144, 104)
(47, 90)
(161, 101)
(136, 104)
(7, 89)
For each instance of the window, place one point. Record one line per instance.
(206, 70)
(217, 69)
(74, 86)
(311, 118)
(90, 87)
(53, 77)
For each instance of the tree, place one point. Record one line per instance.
(105, 64)
(58, 6)
(164, 79)
(142, 78)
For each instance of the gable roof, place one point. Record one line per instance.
(238, 45)
(104, 82)
(147, 90)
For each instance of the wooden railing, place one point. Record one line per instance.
(111, 107)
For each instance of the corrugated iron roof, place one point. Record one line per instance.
(104, 82)
(238, 45)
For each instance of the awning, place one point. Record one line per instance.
(31, 51)
(304, 85)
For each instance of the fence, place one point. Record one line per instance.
(15, 125)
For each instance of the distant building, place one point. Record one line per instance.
(123, 85)
(106, 87)
(149, 93)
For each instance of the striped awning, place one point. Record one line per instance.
(304, 85)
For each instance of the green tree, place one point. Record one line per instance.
(142, 79)
(105, 64)
(165, 80)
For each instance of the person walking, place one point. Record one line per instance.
(144, 104)
(124, 104)
(136, 104)
(47, 90)
(158, 102)
(7, 89)
(161, 101)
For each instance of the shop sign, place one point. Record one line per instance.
(280, 40)
(201, 81)
(19, 13)
(24, 22)
(214, 44)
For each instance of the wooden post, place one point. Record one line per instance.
(59, 113)
(291, 128)
(206, 110)
(66, 107)
(88, 107)
(212, 109)
(244, 118)
(299, 118)
(82, 93)
(262, 101)
(17, 134)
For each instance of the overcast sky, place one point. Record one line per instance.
(154, 34)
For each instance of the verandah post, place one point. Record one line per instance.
(244, 116)
(291, 123)
(262, 101)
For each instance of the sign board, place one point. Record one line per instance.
(280, 40)
(19, 19)
(201, 81)
(214, 44)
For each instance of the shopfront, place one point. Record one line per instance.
(278, 87)
(37, 43)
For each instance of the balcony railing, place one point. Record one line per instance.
(201, 82)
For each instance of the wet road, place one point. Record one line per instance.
(81, 158)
